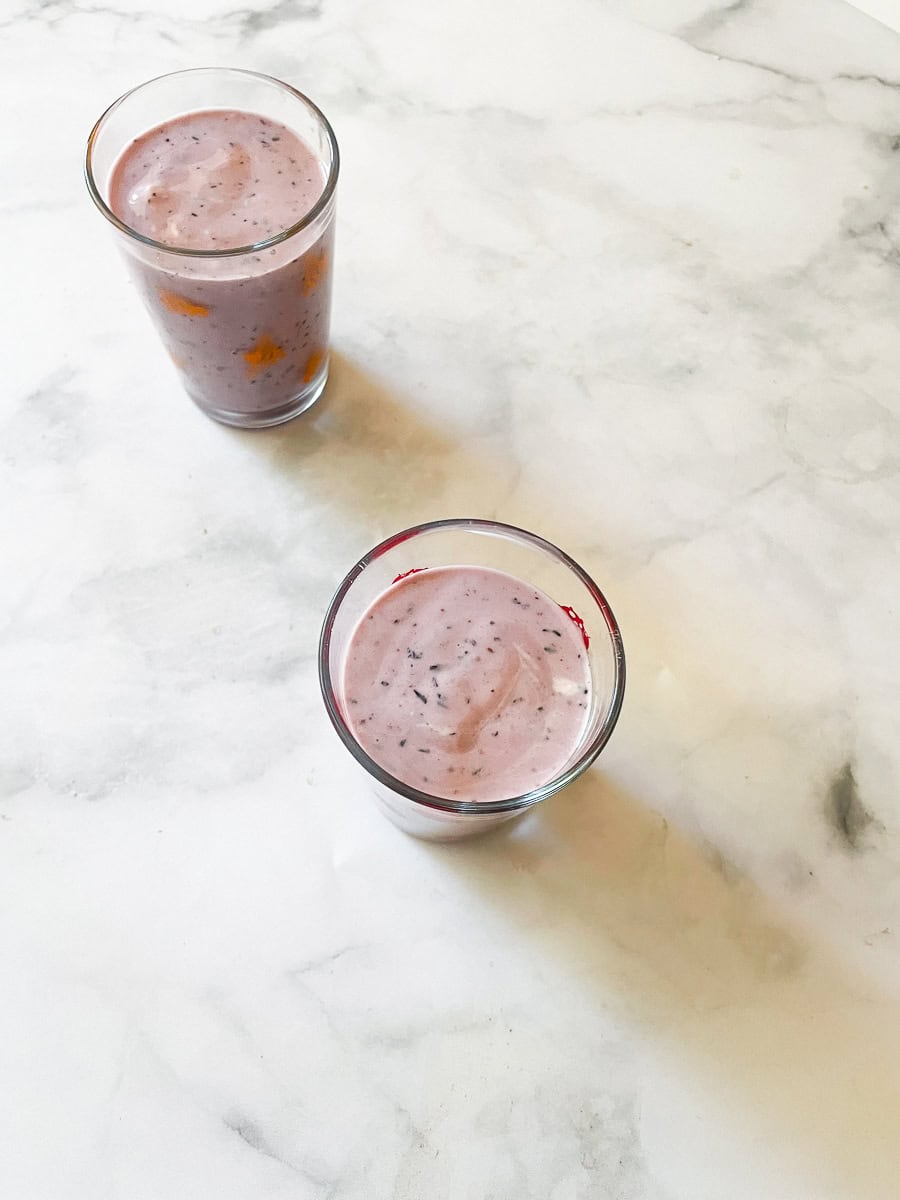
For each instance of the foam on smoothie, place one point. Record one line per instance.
(467, 683)
(215, 180)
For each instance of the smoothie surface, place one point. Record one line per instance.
(467, 683)
(215, 179)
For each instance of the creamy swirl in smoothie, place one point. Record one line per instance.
(467, 683)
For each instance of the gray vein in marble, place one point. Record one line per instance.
(760, 111)
(722, 865)
(712, 21)
(846, 813)
(644, 552)
(251, 21)
(753, 63)
(414, 1035)
(695, 33)
(888, 83)
(251, 1133)
(869, 235)
(326, 960)
(52, 12)
(48, 418)
(246, 21)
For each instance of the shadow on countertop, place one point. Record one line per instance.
(374, 459)
(688, 950)
(660, 929)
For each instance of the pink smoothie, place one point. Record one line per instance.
(249, 332)
(467, 683)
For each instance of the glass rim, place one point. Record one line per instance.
(441, 803)
(253, 248)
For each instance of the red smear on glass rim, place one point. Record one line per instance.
(573, 616)
(411, 571)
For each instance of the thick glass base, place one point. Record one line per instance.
(432, 824)
(264, 419)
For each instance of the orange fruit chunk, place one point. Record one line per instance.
(265, 353)
(314, 271)
(312, 365)
(181, 305)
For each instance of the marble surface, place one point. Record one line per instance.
(623, 273)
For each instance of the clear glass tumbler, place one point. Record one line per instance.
(530, 558)
(248, 327)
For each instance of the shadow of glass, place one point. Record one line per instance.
(667, 935)
(655, 927)
(376, 460)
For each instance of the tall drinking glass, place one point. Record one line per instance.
(247, 326)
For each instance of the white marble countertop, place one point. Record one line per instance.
(628, 275)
